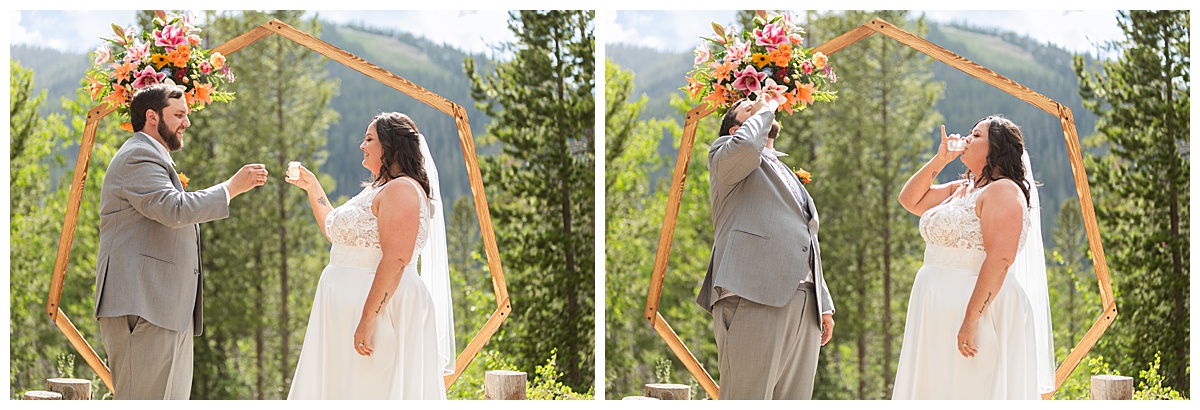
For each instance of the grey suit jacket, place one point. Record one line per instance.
(763, 240)
(149, 253)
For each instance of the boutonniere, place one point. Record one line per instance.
(183, 179)
(804, 176)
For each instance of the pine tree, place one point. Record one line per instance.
(262, 263)
(542, 103)
(861, 148)
(1141, 187)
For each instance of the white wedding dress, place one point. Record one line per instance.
(405, 363)
(931, 366)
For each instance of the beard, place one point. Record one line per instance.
(171, 137)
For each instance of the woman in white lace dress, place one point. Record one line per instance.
(970, 331)
(373, 331)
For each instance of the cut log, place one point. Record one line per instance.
(638, 398)
(42, 395)
(503, 385)
(71, 389)
(1108, 387)
(668, 391)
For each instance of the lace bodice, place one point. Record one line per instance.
(354, 225)
(953, 224)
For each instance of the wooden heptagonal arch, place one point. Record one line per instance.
(1107, 315)
(500, 288)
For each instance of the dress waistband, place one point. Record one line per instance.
(954, 258)
(355, 257)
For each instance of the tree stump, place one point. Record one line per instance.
(668, 391)
(503, 385)
(638, 398)
(71, 389)
(42, 395)
(1108, 387)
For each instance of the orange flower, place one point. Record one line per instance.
(718, 96)
(183, 179)
(180, 56)
(694, 87)
(121, 71)
(119, 96)
(804, 176)
(217, 60)
(127, 126)
(804, 93)
(95, 87)
(721, 70)
(203, 91)
(780, 58)
(819, 60)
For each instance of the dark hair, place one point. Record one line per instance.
(153, 97)
(401, 143)
(730, 119)
(774, 132)
(1005, 145)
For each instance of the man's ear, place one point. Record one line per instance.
(151, 117)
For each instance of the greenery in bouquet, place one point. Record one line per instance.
(766, 61)
(170, 53)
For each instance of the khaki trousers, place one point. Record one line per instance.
(766, 352)
(147, 362)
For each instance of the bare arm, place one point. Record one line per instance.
(919, 194)
(1000, 212)
(396, 207)
(316, 197)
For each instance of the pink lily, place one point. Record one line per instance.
(147, 77)
(170, 37)
(772, 36)
(748, 80)
(103, 55)
(702, 54)
(772, 91)
(737, 51)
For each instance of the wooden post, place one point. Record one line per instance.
(1108, 387)
(71, 389)
(662, 391)
(42, 395)
(503, 385)
(638, 398)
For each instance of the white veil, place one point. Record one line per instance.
(1030, 271)
(435, 266)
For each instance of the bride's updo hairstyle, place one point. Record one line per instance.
(1005, 145)
(401, 150)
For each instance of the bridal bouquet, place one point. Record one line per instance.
(170, 53)
(764, 62)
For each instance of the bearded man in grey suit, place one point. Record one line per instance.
(148, 277)
(764, 288)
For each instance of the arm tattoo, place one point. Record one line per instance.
(985, 302)
(381, 302)
(322, 201)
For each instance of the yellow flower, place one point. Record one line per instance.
(804, 176)
(159, 61)
(183, 179)
(760, 60)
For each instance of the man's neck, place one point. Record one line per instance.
(771, 143)
(156, 137)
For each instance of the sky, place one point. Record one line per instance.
(1075, 31)
(80, 31)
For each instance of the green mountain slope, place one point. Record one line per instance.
(435, 67)
(1043, 68)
